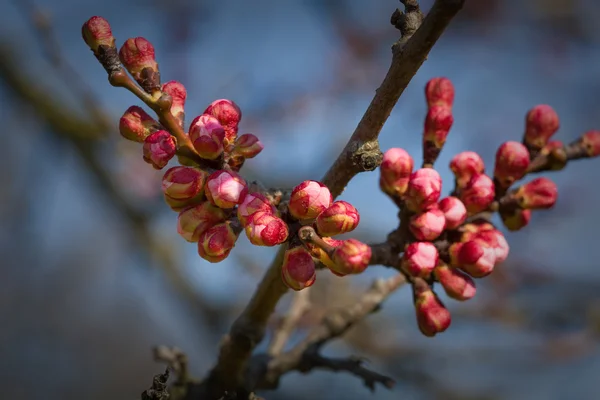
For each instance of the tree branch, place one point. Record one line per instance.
(300, 303)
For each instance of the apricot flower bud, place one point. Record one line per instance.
(309, 199)
(456, 283)
(248, 146)
(96, 32)
(591, 143)
(538, 194)
(298, 269)
(420, 258)
(437, 126)
(229, 115)
(137, 125)
(183, 183)
(207, 135)
(439, 92)
(512, 160)
(194, 221)
(473, 257)
(395, 170)
(215, 244)
(454, 211)
(159, 148)
(265, 229)
(541, 123)
(423, 190)
(322, 255)
(351, 257)
(494, 239)
(515, 220)
(253, 203)
(464, 165)
(137, 55)
(178, 95)
(340, 217)
(225, 189)
(478, 194)
(432, 316)
(427, 225)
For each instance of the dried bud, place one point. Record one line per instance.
(309, 199)
(432, 316)
(515, 220)
(437, 126)
(207, 135)
(248, 146)
(96, 32)
(478, 194)
(225, 189)
(137, 125)
(420, 258)
(538, 194)
(194, 221)
(265, 229)
(322, 255)
(395, 170)
(178, 93)
(229, 115)
(473, 257)
(298, 269)
(159, 148)
(456, 283)
(183, 183)
(541, 123)
(464, 165)
(512, 160)
(340, 217)
(454, 211)
(137, 55)
(215, 244)
(439, 92)
(351, 257)
(424, 189)
(591, 142)
(253, 203)
(427, 225)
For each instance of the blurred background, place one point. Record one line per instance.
(94, 274)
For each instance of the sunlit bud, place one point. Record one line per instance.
(454, 211)
(265, 229)
(298, 269)
(591, 142)
(351, 257)
(478, 194)
(420, 258)
(159, 148)
(225, 189)
(424, 189)
(137, 55)
(183, 183)
(137, 125)
(309, 199)
(395, 170)
(439, 91)
(427, 225)
(437, 126)
(464, 165)
(512, 160)
(340, 217)
(178, 93)
(456, 283)
(96, 32)
(541, 123)
(207, 135)
(538, 194)
(322, 256)
(215, 244)
(473, 257)
(496, 240)
(229, 115)
(252, 203)
(432, 316)
(515, 220)
(194, 221)
(248, 146)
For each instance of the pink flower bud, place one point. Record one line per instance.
(322, 256)
(207, 135)
(215, 244)
(478, 194)
(538, 194)
(183, 183)
(423, 190)
(512, 160)
(340, 217)
(432, 316)
(298, 269)
(248, 146)
(229, 115)
(591, 142)
(456, 283)
(395, 170)
(351, 257)
(437, 126)
(265, 229)
(137, 55)
(420, 258)
(194, 221)
(225, 189)
(178, 93)
(464, 165)
(253, 203)
(137, 125)
(541, 123)
(494, 239)
(454, 211)
(439, 92)
(159, 148)
(473, 257)
(428, 225)
(516, 219)
(309, 199)
(96, 32)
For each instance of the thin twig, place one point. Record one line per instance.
(300, 303)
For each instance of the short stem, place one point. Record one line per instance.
(309, 236)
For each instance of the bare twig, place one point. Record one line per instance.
(158, 390)
(300, 303)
